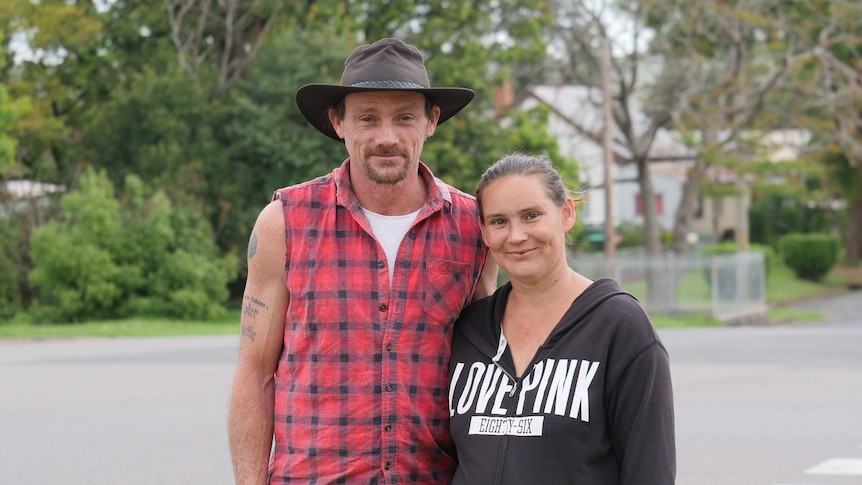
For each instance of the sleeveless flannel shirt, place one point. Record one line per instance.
(361, 385)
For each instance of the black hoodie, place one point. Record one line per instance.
(595, 407)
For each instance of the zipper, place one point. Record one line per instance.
(504, 441)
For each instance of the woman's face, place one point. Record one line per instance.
(524, 228)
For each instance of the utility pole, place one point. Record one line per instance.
(607, 142)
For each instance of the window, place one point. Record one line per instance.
(659, 204)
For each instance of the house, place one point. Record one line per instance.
(576, 122)
(19, 195)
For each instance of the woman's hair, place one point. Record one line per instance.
(522, 164)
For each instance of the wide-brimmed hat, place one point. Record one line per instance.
(388, 64)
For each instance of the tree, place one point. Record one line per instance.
(68, 71)
(110, 257)
(10, 110)
(14, 227)
(228, 34)
(733, 59)
(838, 52)
(702, 67)
(197, 97)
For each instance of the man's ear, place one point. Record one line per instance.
(336, 123)
(432, 123)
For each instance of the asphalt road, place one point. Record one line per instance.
(775, 405)
(115, 411)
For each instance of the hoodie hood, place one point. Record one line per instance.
(489, 311)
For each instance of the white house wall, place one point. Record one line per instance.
(590, 158)
(626, 192)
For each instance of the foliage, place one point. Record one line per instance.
(10, 110)
(810, 256)
(792, 206)
(68, 70)
(465, 146)
(200, 102)
(632, 236)
(10, 273)
(110, 257)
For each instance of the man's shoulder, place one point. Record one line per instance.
(456, 195)
(302, 188)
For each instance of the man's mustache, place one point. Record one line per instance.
(385, 152)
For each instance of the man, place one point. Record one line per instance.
(354, 281)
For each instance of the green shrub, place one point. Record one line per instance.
(11, 275)
(137, 254)
(810, 256)
(720, 248)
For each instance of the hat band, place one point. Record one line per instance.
(387, 85)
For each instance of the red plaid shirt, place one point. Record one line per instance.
(361, 386)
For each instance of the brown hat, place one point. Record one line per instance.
(388, 64)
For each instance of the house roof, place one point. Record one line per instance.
(581, 108)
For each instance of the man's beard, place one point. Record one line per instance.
(390, 179)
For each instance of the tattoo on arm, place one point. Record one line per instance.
(249, 332)
(252, 245)
(250, 300)
(252, 306)
(249, 311)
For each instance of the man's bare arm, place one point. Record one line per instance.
(250, 419)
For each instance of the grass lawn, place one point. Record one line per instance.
(782, 287)
(131, 327)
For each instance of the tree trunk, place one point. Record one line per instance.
(686, 210)
(853, 244)
(659, 292)
(652, 235)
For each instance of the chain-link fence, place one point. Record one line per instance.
(730, 287)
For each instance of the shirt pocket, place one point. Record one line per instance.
(448, 285)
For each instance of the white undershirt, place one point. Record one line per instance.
(389, 231)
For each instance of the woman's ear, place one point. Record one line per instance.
(570, 215)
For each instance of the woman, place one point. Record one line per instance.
(554, 378)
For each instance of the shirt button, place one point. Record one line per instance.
(388, 347)
(383, 307)
(389, 387)
(388, 427)
(387, 466)
(380, 264)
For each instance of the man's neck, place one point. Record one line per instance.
(402, 198)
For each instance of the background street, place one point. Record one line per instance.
(772, 405)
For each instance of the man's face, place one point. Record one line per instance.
(384, 132)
